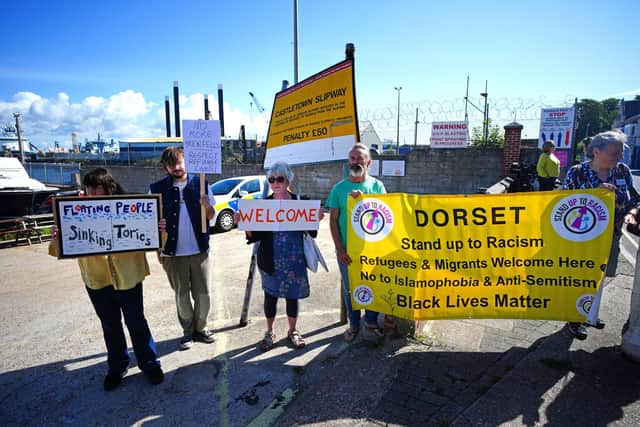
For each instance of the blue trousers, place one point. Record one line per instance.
(370, 317)
(109, 304)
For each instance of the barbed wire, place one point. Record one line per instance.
(501, 111)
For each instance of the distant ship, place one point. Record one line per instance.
(19, 194)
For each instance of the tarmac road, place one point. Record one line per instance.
(53, 357)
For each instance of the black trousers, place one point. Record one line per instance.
(547, 184)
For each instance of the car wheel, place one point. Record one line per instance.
(225, 221)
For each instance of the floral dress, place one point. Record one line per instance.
(581, 176)
(290, 278)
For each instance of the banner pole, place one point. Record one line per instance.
(203, 210)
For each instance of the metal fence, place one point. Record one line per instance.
(54, 173)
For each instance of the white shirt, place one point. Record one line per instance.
(187, 243)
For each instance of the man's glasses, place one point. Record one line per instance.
(279, 179)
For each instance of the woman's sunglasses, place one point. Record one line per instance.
(279, 179)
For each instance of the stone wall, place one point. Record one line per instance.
(428, 171)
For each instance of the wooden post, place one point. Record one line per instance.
(203, 210)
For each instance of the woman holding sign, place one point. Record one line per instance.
(114, 285)
(604, 170)
(281, 262)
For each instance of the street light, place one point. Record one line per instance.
(398, 88)
(20, 145)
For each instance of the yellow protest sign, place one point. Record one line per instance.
(315, 120)
(522, 255)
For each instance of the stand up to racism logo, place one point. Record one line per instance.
(580, 217)
(372, 220)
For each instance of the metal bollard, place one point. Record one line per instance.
(631, 338)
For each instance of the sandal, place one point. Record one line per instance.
(267, 342)
(296, 339)
(350, 334)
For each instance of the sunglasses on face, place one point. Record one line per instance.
(279, 179)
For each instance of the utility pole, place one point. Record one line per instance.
(485, 112)
(20, 145)
(398, 88)
(574, 139)
(415, 132)
(295, 42)
(466, 99)
(485, 121)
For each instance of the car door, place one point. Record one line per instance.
(252, 188)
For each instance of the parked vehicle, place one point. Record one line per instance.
(226, 194)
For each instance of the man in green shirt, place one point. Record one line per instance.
(358, 183)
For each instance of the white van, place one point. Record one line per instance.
(226, 194)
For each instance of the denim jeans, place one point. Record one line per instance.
(108, 304)
(370, 317)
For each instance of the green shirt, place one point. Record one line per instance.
(338, 199)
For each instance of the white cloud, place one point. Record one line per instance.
(122, 115)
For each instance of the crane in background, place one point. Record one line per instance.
(255, 101)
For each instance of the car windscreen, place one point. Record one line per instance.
(224, 186)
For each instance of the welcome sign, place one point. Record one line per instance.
(521, 255)
(107, 224)
(278, 215)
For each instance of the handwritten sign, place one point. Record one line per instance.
(278, 215)
(201, 143)
(107, 224)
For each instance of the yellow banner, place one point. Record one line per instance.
(314, 120)
(522, 255)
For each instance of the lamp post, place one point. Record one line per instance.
(398, 88)
(20, 145)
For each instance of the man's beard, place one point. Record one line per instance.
(357, 171)
(178, 174)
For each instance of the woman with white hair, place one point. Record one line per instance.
(281, 263)
(603, 169)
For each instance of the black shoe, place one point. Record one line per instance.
(578, 330)
(186, 342)
(206, 336)
(599, 324)
(155, 375)
(111, 381)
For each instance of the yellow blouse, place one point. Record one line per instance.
(122, 270)
(548, 166)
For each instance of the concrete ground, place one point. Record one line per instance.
(462, 372)
(53, 358)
